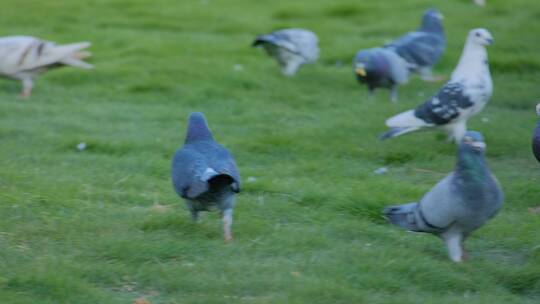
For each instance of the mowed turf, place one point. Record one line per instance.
(105, 226)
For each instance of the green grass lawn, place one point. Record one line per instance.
(105, 226)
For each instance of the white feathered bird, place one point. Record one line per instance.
(466, 94)
(25, 57)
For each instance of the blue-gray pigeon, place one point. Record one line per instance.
(290, 47)
(24, 58)
(459, 204)
(204, 173)
(380, 67)
(422, 48)
(536, 136)
(466, 94)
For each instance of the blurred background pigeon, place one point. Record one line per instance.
(204, 173)
(480, 2)
(25, 57)
(459, 204)
(466, 94)
(536, 136)
(379, 67)
(290, 47)
(423, 48)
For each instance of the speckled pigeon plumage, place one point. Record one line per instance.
(380, 67)
(536, 136)
(459, 204)
(465, 95)
(290, 47)
(422, 48)
(24, 57)
(204, 173)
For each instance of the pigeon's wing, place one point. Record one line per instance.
(399, 68)
(419, 48)
(223, 162)
(306, 43)
(446, 106)
(536, 142)
(22, 53)
(298, 41)
(188, 170)
(433, 214)
(279, 39)
(440, 207)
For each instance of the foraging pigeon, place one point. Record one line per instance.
(459, 204)
(536, 136)
(291, 48)
(466, 94)
(25, 57)
(423, 48)
(204, 173)
(379, 67)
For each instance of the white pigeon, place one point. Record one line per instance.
(464, 95)
(290, 47)
(24, 57)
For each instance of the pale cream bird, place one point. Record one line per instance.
(25, 57)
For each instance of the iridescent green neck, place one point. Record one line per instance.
(471, 165)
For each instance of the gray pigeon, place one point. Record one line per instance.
(204, 173)
(290, 47)
(459, 204)
(466, 94)
(379, 67)
(536, 136)
(24, 57)
(422, 48)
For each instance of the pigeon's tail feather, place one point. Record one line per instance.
(264, 39)
(405, 119)
(403, 216)
(395, 132)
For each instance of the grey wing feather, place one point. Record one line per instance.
(419, 48)
(440, 206)
(187, 169)
(298, 41)
(223, 162)
(445, 105)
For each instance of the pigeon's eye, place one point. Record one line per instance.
(477, 34)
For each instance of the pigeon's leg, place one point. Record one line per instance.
(195, 215)
(27, 85)
(227, 223)
(427, 75)
(194, 212)
(291, 67)
(371, 92)
(393, 93)
(454, 243)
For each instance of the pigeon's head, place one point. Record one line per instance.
(198, 128)
(365, 62)
(432, 20)
(473, 140)
(538, 109)
(480, 36)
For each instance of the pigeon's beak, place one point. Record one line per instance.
(360, 72)
(489, 41)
